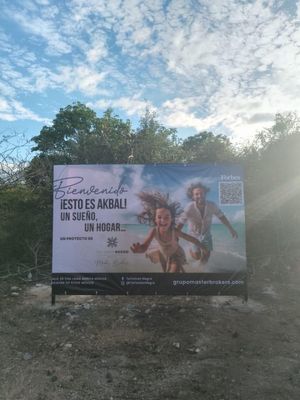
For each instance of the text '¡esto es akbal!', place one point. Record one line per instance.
(92, 204)
(88, 204)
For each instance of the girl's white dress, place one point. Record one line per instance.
(168, 251)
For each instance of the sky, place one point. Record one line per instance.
(222, 65)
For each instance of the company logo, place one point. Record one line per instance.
(112, 242)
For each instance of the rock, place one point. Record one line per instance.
(132, 310)
(68, 346)
(14, 294)
(14, 288)
(27, 356)
(194, 350)
(69, 378)
(184, 394)
(176, 345)
(109, 377)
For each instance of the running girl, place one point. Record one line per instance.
(161, 213)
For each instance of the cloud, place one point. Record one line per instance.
(96, 52)
(206, 65)
(131, 105)
(183, 119)
(81, 77)
(4, 106)
(261, 117)
(244, 53)
(43, 28)
(6, 89)
(13, 110)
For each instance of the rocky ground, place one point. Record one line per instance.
(113, 348)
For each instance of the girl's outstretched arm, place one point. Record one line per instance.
(142, 247)
(190, 238)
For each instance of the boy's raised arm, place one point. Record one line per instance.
(228, 225)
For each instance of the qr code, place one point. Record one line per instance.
(231, 193)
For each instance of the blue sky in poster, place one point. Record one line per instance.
(226, 66)
(175, 179)
(166, 178)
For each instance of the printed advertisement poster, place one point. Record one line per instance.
(143, 229)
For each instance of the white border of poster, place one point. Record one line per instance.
(96, 226)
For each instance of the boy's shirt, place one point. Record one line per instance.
(197, 224)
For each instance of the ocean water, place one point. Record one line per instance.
(222, 239)
(229, 254)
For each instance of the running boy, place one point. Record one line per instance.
(198, 214)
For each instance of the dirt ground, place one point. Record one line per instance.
(113, 348)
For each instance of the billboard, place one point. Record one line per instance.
(149, 229)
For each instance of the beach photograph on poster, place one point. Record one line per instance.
(119, 219)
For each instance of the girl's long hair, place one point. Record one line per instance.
(152, 201)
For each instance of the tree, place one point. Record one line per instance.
(207, 147)
(25, 234)
(20, 232)
(273, 187)
(77, 135)
(153, 143)
(68, 125)
(112, 140)
(13, 158)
